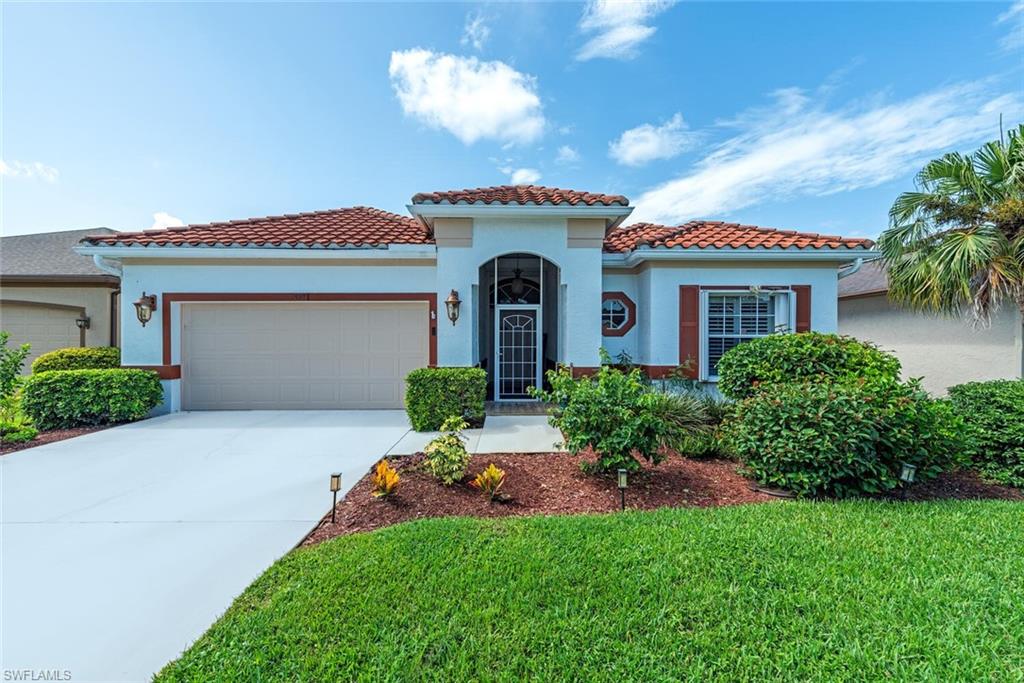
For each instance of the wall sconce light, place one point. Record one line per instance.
(452, 304)
(622, 487)
(907, 473)
(335, 487)
(144, 308)
(82, 322)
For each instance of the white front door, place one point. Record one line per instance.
(517, 347)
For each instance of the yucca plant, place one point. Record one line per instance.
(384, 481)
(489, 481)
(957, 241)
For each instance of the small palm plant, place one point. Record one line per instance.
(957, 241)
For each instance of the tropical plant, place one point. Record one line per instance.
(957, 241)
(11, 361)
(384, 480)
(619, 413)
(489, 481)
(447, 457)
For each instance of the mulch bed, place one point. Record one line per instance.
(553, 483)
(962, 485)
(538, 484)
(50, 437)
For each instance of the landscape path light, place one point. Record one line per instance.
(335, 487)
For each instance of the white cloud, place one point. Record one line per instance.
(475, 32)
(619, 26)
(162, 219)
(521, 176)
(469, 98)
(799, 147)
(637, 146)
(30, 170)
(1014, 40)
(567, 155)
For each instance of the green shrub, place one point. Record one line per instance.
(993, 413)
(78, 358)
(10, 434)
(807, 356)
(842, 439)
(618, 414)
(432, 395)
(71, 398)
(11, 361)
(709, 442)
(447, 457)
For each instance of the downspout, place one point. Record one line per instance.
(106, 265)
(852, 269)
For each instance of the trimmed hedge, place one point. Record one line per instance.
(433, 395)
(78, 358)
(63, 399)
(993, 413)
(842, 439)
(804, 357)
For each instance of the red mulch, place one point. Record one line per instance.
(538, 484)
(553, 483)
(50, 437)
(962, 485)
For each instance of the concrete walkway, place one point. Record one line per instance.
(500, 434)
(119, 548)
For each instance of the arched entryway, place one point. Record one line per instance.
(518, 334)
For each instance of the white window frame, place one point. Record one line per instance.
(705, 294)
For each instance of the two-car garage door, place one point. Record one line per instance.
(298, 355)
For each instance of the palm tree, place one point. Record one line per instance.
(957, 242)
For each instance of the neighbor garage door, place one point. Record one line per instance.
(301, 355)
(43, 327)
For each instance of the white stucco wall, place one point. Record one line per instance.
(943, 351)
(144, 345)
(580, 272)
(656, 335)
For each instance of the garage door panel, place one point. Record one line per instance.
(301, 355)
(46, 329)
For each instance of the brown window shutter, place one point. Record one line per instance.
(803, 307)
(689, 328)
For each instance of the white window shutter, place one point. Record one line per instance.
(783, 307)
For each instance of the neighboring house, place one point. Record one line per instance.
(944, 351)
(331, 309)
(51, 297)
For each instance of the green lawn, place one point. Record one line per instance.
(798, 591)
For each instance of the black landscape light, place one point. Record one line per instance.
(623, 482)
(907, 473)
(335, 487)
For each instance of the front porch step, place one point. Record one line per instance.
(516, 408)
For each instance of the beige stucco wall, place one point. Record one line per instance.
(943, 351)
(96, 301)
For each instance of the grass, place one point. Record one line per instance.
(794, 591)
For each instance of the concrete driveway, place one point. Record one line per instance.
(120, 548)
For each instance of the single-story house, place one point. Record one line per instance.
(51, 297)
(331, 309)
(943, 351)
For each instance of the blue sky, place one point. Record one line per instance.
(810, 116)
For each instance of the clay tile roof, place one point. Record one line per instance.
(519, 194)
(719, 235)
(359, 226)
